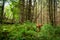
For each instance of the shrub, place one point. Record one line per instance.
(18, 32)
(46, 32)
(27, 31)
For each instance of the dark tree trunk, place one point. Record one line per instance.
(22, 11)
(52, 11)
(55, 11)
(2, 11)
(29, 10)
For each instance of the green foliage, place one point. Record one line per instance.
(27, 31)
(17, 31)
(57, 33)
(46, 32)
(8, 13)
(12, 10)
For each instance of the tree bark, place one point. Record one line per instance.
(2, 11)
(52, 11)
(29, 10)
(22, 11)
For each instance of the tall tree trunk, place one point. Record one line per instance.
(52, 11)
(29, 10)
(27, 6)
(55, 11)
(2, 11)
(34, 20)
(22, 11)
(41, 12)
(35, 11)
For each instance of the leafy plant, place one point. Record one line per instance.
(27, 31)
(46, 32)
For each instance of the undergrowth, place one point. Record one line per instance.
(27, 31)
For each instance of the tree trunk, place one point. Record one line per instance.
(22, 11)
(52, 11)
(2, 11)
(29, 10)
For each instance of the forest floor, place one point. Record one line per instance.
(28, 31)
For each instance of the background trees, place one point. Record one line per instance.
(36, 17)
(41, 11)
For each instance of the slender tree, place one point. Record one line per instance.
(2, 11)
(29, 10)
(55, 11)
(22, 10)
